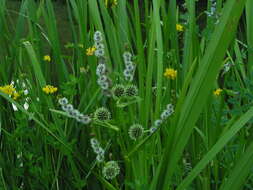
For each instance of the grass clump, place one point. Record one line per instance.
(128, 95)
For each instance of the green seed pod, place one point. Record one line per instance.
(131, 90)
(102, 114)
(118, 90)
(111, 170)
(136, 131)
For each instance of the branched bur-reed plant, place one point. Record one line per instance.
(131, 95)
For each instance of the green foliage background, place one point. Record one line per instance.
(206, 144)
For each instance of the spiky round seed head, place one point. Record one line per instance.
(111, 170)
(158, 122)
(131, 90)
(102, 114)
(135, 131)
(101, 69)
(118, 90)
(100, 158)
(63, 101)
(99, 52)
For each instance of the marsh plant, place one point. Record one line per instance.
(129, 95)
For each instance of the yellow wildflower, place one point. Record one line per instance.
(179, 27)
(90, 51)
(47, 58)
(48, 89)
(16, 95)
(217, 92)
(170, 73)
(8, 89)
(111, 3)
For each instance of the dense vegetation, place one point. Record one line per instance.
(133, 95)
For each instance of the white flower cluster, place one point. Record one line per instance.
(129, 66)
(98, 150)
(103, 81)
(164, 115)
(100, 48)
(25, 92)
(212, 12)
(227, 67)
(84, 119)
(213, 8)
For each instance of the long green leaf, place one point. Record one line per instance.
(240, 172)
(199, 91)
(249, 20)
(219, 145)
(35, 64)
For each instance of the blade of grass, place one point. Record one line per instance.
(35, 64)
(159, 43)
(243, 167)
(189, 45)
(50, 21)
(219, 145)
(199, 91)
(31, 116)
(249, 20)
(141, 57)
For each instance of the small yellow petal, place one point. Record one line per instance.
(47, 58)
(179, 27)
(90, 51)
(48, 89)
(16, 95)
(170, 73)
(217, 92)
